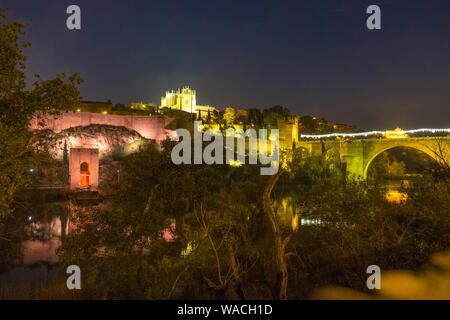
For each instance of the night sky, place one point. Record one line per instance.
(315, 57)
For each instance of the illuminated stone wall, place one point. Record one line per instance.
(288, 130)
(150, 127)
(105, 138)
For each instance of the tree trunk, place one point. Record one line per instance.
(279, 242)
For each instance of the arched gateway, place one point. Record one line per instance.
(86, 146)
(83, 168)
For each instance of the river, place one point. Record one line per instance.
(46, 225)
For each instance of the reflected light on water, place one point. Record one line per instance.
(396, 196)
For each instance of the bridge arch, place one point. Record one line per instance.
(381, 148)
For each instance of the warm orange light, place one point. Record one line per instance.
(84, 175)
(396, 134)
(84, 181)
(396, 196)
(295, 222)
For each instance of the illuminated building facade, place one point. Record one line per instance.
(396, 134)
(184, 100)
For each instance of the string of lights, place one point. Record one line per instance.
(369, 133)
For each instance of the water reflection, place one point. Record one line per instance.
(44, 239)
(291, 214)
(44, 227)
(396, 196)
(47, 225)
(288, 210)
(395, 190)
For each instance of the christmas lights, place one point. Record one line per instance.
(369, 133)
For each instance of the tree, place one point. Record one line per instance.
(212, 232)
(272, 115)
(441, 151)
(214, 218)
(255, 117)
(120, 107)
(281, 241)
(308, 125)
(229, 116)
(386, 166)
(18, 105)
(65, 165)
(218, 118)
(279, 111)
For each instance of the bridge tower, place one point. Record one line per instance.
(83, 169)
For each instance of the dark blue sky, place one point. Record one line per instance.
(315, 57)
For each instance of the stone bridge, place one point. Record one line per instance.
(357, 154)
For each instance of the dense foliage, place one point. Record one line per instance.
(221, 244)
(18, 105)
